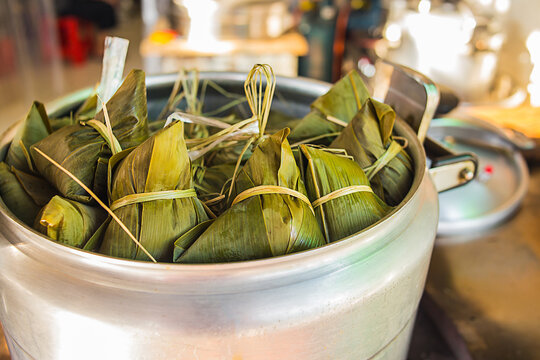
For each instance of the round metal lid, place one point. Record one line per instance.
(497, 190)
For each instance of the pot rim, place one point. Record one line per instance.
(313, 261)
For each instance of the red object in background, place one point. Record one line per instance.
(76, 38)
(7, 55)
(340, 37)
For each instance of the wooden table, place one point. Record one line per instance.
(290, 43)
(225, 55)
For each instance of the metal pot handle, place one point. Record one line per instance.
(415, 99)
(449, 169)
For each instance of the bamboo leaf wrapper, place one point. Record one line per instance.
(35, 127)
(341, 216)
(367, 138)
(69, 222)
(262, 225)
(159, 164)
(340, 103)
(78, 148)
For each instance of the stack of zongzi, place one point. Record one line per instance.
(211, 190)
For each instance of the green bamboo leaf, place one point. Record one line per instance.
(185, 241)
(15, 197)
(58, 123)
(228, 155)
(100, 178)
(212, 183)
(214, 178)
(367, 138)
(344, 99)
(326, 173)
(263, 225)
(155, 126)
(94, 243)
(341, 102)
(78, 148)
(39, 190)
(278, 120)
(159, 164)
(87, 110)
(35, 127)
(69, 222)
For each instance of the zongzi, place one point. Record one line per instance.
(269, 216)
(24, 194)
(340, 192)
(152, 194)
(79, 147)
(368, 139)
(331, 112)
(35, 127)
(69, 222)
(14, 196)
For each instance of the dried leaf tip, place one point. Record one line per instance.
(259, 101)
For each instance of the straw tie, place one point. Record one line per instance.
(389, 154)
(101, 128)
(152, 196)
(341, 192)
(98, 200)
(271, 189)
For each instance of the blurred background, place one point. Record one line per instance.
(484, 54)
(483, 50)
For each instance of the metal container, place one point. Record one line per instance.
(498, 190)
(352, 299)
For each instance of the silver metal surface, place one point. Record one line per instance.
(353, 299)
(413, 96)
(500, 186)
(448, 176)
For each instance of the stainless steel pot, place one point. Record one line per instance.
(353, 299)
